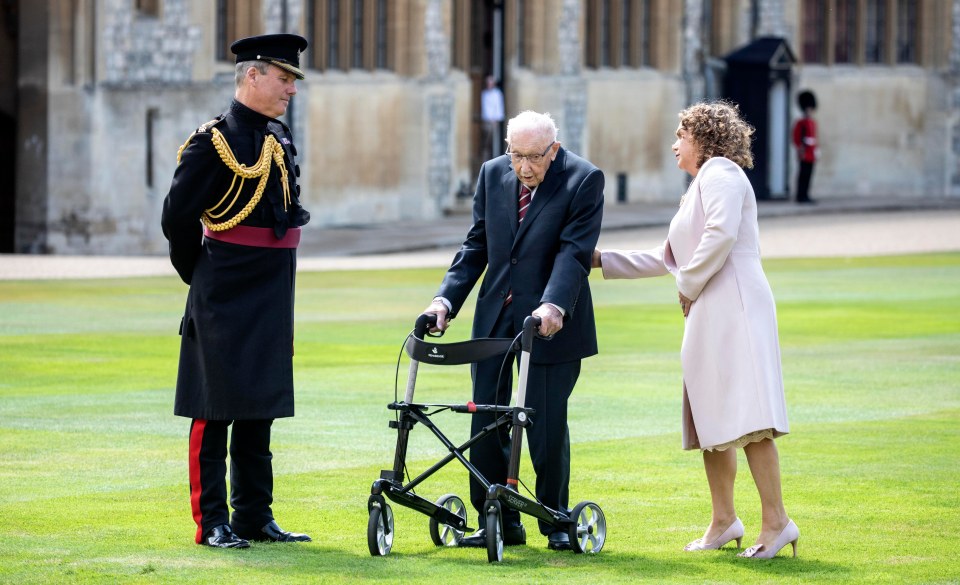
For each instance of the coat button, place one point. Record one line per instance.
(513, 261)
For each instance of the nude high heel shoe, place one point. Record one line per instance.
(733, 532)
(790, 535)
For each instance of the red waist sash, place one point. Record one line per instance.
(255, 237)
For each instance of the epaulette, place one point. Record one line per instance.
(204, 128)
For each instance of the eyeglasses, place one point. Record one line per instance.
(533, 159)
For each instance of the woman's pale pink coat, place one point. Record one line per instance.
(733, 384)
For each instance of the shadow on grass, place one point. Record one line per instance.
(327, 562)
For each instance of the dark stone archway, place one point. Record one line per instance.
(8, 124)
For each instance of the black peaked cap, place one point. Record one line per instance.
(282, 50)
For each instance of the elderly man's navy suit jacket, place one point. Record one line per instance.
(546, 258)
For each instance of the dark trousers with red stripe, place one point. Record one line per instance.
(251, 475)
(549, 387)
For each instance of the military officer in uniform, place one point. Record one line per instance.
(232, 219)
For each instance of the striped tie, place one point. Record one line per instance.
(525, 196)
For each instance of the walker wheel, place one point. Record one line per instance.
(380, 530)
(444, 534)
(589, 528)
(494, 533)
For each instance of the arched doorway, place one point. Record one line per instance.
(478, 51)
(9, 10)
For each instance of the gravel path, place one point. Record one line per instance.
(808, 235)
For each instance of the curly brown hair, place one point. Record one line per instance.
(718, 130)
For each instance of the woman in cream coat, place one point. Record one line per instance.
(732, 383)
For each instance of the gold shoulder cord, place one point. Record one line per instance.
(271, 151)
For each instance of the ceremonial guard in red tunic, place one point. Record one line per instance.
(805, 141)
(232, 218)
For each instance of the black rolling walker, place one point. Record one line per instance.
(585, 524)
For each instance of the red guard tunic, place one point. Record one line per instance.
(805, 139)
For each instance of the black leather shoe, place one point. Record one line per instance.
(512, 536)
(476, 540)
(559, 541)
(223, 537)
(273, 533)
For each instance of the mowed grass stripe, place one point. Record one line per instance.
(93, 463)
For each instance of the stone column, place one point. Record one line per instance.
(772, 21)
(439, 107)
(692, 66)
(953, 83)
(573, 125)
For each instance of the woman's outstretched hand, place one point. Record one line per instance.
(595, 260)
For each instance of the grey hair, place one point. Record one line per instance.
(529, 120)
(242, 66)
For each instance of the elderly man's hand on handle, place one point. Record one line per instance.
(551, 320)
(440, 310)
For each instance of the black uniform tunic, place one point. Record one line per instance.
(236, 353)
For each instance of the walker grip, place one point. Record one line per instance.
(424, 323)
(530, 326)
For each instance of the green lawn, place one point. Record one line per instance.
(93, 485)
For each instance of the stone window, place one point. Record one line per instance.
(908, 22)
(381, 47)
(356, 36)
(845, 31)
(618, 34)
(350, 34)
(719, 26)
(147, 7)
(236, 19)
(883, 32)
(814, 31)
(875, 38)
(471, 35)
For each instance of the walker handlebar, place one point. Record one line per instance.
(530, 326)
(424, 323)
(530, 329)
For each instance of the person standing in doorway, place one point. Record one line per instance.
(492, 115)
(805, 141)
(233, 218)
